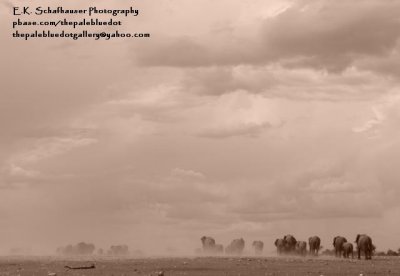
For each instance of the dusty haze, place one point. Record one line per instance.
(237, 118)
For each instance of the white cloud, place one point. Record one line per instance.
(16, 171)
(49, 147)
(178, 172)
(244, 129)
(371, 125)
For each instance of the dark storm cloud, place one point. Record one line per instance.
(388, 65)
(330, 35)
(221, 80)
(318, 34)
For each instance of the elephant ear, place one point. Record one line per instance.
(345, 240)
(358, 237)
(276, 241)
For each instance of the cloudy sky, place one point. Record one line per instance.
(237, 118)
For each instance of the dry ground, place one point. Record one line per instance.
(202, 266)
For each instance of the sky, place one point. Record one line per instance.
(236, 118)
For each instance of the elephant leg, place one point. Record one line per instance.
(369, 255)
(359, 253)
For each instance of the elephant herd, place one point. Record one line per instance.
(236, 247)
(363, 242)
(289, 245)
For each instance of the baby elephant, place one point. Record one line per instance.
(347, 250)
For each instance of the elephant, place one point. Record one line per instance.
(290, 243)
(208, 244)
(301, 248)
(258, 247)
(338, 242)
(347, 249)
(210, 247)
(364, 243)
(314, 244)
(280, 246)
(235, 247)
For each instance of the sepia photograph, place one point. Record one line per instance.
(199, 137)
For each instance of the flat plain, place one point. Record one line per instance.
(224, 266)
